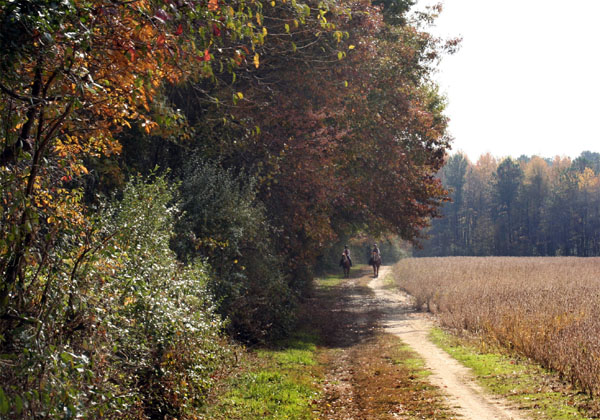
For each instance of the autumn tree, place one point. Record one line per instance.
(454, 177)
(478, 206)
(535, 194)
(338, 114)
(507, 183)
(73, 74)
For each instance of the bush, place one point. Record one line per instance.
(116, 327)
(225, 223)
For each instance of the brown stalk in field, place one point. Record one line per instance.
(545, 308)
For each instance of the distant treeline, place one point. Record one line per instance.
(524, 207)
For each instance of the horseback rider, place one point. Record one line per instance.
(376, 249)
(346, 252)
(374, 252)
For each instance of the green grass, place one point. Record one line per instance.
(412, 361)
(335, 279)
(389, 282)
(330, 280)
(530, 387)
(296, 351)
(273, 384)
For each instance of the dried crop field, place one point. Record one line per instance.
(547, 309)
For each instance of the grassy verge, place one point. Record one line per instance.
(526, 384)
(278, 383)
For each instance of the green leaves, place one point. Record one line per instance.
(117, 304)
(225, 223)
(4, 403)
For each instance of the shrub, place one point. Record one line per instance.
(225, 223)
(115, 326)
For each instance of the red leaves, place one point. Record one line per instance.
(205, 57)
(213, 5)
(238, 58)
(131, 52)
(216, 30)
(179, 30)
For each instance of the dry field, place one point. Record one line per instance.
(546, 309)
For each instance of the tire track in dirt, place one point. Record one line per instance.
(349, 317)
(466, 397)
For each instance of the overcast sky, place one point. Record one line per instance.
(526, 79)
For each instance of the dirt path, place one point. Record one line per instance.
(464, 395)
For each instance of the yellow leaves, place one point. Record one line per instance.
(587, 180)
(351, 47)
(149, 125)
(264, 31)
(145, 104)
(237, 96)
(79, 169)
(256, 60)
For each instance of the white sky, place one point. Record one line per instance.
(526, 79)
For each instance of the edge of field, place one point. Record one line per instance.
(535, 390)
(539, 392)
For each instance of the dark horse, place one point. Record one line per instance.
(375, 261)
(345, 264)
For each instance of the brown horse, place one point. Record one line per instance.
(375, 261)
(345, 264)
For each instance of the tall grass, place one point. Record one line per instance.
(543, 308)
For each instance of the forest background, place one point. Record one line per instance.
(173, 170)
(530, 206)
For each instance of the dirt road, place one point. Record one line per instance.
(464, 395)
